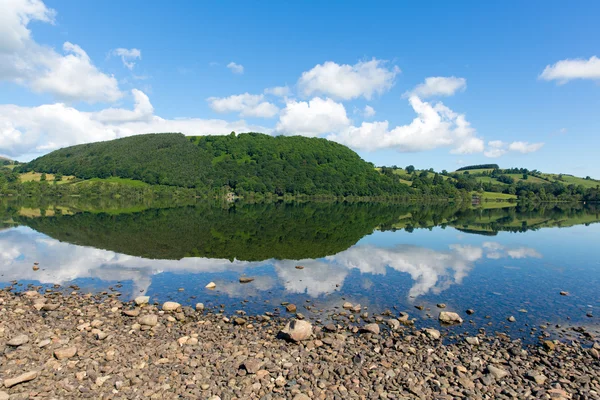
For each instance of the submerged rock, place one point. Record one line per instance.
(447, 317)
(245, 279)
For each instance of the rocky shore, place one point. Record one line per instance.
(57, 346)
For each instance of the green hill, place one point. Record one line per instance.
(248, 162)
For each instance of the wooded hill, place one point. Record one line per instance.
(248, 162)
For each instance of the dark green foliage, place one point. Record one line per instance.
(246, 163)
(165, 159)
(480, 166)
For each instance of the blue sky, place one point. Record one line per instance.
(514, 83)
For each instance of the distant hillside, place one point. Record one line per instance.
(248, 162)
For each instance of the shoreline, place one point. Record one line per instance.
(94, 346)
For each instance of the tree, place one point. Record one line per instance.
(58, 177)
(410, 169)
(43, 178)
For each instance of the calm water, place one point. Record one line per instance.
(395, 257)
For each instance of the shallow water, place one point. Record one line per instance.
(497, 262)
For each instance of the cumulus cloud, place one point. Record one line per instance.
(312, 118)
(347, 82)
(128, 56)
(569, 69)
(70, 77)
(248, 105)
(439, 86)
(279, 91)
(368, 112)
(525, 147)
(435, 126)
(497, 148)
(35, 130)
(236, 68)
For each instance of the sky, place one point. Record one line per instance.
(432, 84)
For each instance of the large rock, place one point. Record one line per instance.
(64, 353)
(432, 333)
(18, 340)
(26, 377)
(171, 306)
(347, 306)
(496, 372)
(371, 328)
(296, 330)
(141, 300)
(448, 317)
(148, 320)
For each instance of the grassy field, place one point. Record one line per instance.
(475, 171)
(36, 177)
(570, 179)
(492, 196)
(532, 179)
(116, 180)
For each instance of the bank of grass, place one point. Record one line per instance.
(116, 180)
(37, 177)
(573, 180)
(493, 196)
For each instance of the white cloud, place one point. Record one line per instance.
(70, 77)
(312, 118)
(128, 56)
(497, 148)
(346, 82)
(279, 91)
(248, 105)
(525, 147)
(236, 68)
(435, 126)
(369, 111)
(569, 69)
(439, 86)
(28, 131)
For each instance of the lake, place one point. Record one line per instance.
(499, 262)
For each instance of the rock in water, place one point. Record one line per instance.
(211, 285)
(347, 306)
(140, 300)
(473, 341)
(291, 308)
(432, 333)
(371, 328)
(299, 267)
(447, 317)
(171, 306)
(441, 305)
(18, 340)
(296, 330)
(26, 377)
(199, 306)
(511, 319)
(245, 279)
(563, 293)
(64, 353)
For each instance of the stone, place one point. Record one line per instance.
(291, 308)
(432, 333)
(447, 317)
(371, 328)
(18, 340)
(239, 321)
(441, 305)
(296, 330)
(470, 311)
(496, 372)
(511, 319)
(299, 267)
(301, 396)
(26, 377)
(4, 395)
(50, 307)
(171, 306)
(563, 293)
(394, 324)
(252, 365)
(65, 352)
(549, 345)
(148, 320)
(131, 313)
(246, 279)
(141, 300)
(536, 376)
(211, 285)
(199, 306)
(473, 341)
(347, 306)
